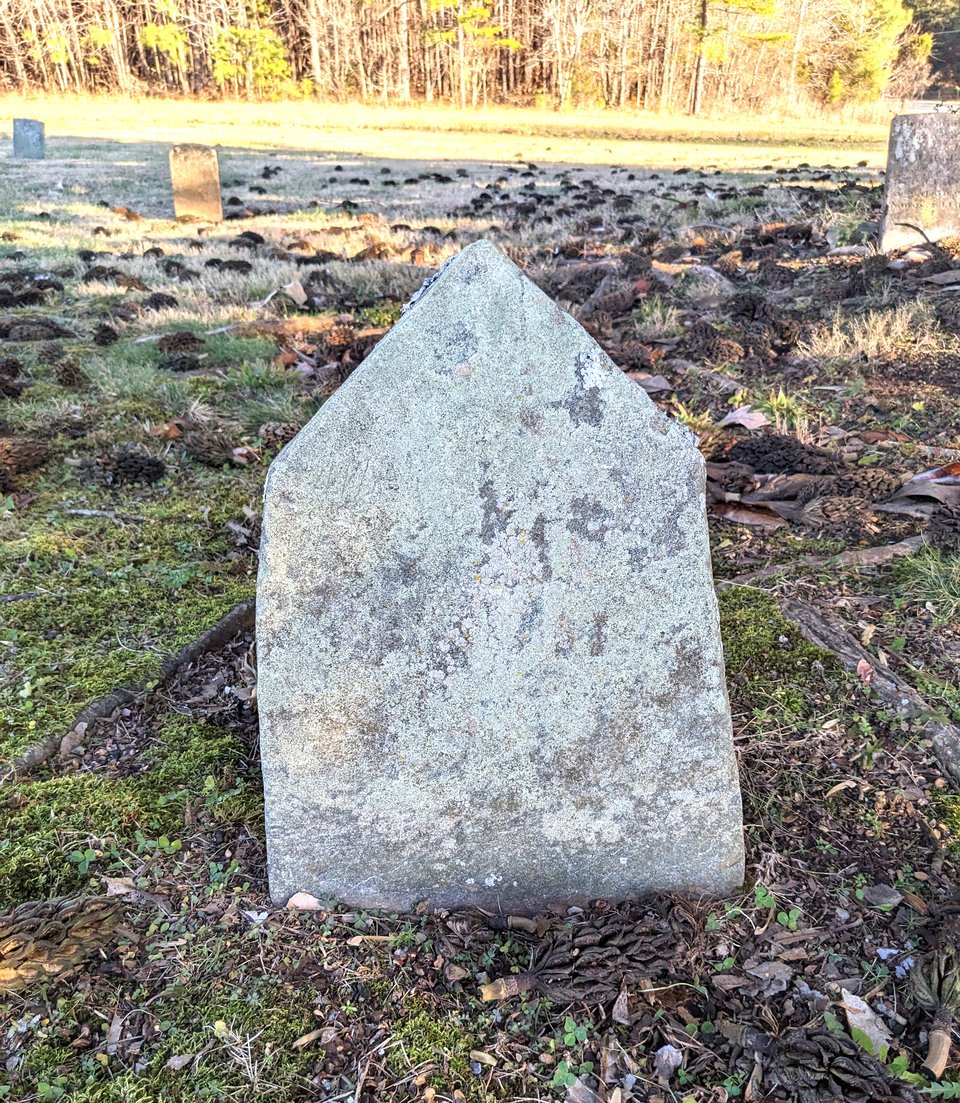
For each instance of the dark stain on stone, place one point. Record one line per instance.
(495, 516)
(583, 511)
(538, 537)
(462, 344)
(598, 634)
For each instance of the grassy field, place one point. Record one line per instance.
(437, 134)
(150, 370)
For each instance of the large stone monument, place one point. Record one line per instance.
(490, 669)
(195, 176)
(922, 188)
(29, 140)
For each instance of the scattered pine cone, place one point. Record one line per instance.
(210, 446)
(51, 352)
(22, 454)
(936, 987)
(339, 336)
(944, 528)
(777, 454)
(275, 434)
(159, 300)
(815, 1066)
(589, 961)
(11, 385)
(53, 938)
(105, 335)
(182, 340)
(867, 484)
(69, 374)
(132, 466)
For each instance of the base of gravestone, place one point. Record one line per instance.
(921, 199)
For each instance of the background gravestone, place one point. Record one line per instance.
(490, 669)
(922, 185)
(28, 140)
(195, 176)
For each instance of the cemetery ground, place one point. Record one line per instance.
(149, 372)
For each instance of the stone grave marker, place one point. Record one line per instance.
(922, 187)
(28, 140)
(490, 669)
(195, 175)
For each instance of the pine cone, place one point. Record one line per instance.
(10, 383)
(815, 1066)
(209, 446)
(182, 340)
(69, 374)
(275, 434)
(866, 484)
(589, 961)
(723, 350)
(339, 336)
(53, 938)
(51, 352)
(944, 528)
(618, 300)
(842, 516)
(105, 335)
(132, 466)
(159, 300)
(22, 453)
(776, 454)
(729, 263)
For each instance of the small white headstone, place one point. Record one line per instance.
(28, 140)
(490, 669)
(195, 176)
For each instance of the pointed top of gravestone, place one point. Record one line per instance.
(489, 658)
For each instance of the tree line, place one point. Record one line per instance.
(687, 55)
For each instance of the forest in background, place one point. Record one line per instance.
(679, 55)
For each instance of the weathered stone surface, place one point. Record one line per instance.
(922, 185)
(195, 175)
(28, 139)
(489, 659)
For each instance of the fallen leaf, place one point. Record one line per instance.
(944, 278)
(581, 1092)
(867, 634)
(621, 1011)
(775, 976)
(747, 417)
(743, 515)
(868, 1029)
(881, 896)
(119, 886)
(652, 384)
(482, 1058)
(865, 672)
(304, 902)
(305, 1039)
(294, 290)
(840, 786)
(179, 1061)
(667, 1060)
(455, 973)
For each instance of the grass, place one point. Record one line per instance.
(494, 134)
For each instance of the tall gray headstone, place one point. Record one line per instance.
(195, 176)
(922, 187)
(490, 669)
(28, 140)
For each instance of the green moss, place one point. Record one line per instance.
(435, 1038)
(768, 661)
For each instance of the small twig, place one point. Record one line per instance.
(110, 513)
(826, 630)
(857, 557)
(240, 618)
(4, 598)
